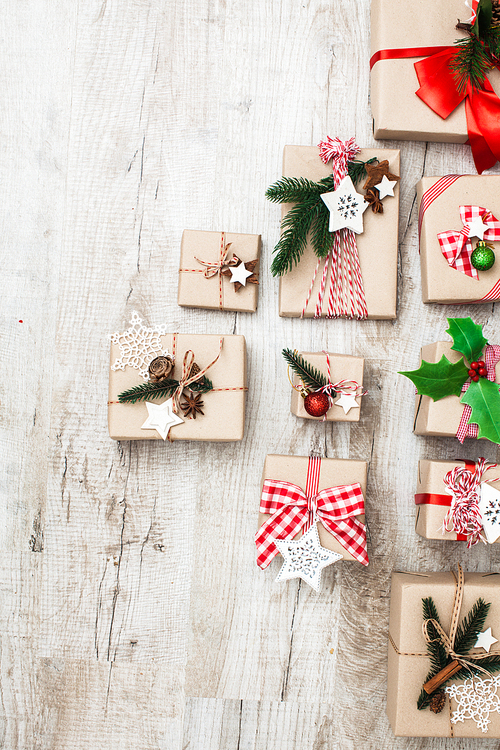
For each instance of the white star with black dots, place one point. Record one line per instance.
(239, 273)
(161, 418)
(305, 558)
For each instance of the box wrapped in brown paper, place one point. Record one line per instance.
(440, 281)
(408, 667)
(433, 500)
(206, 286)
(223, 416)
(441, 418)
(342, 367)
(334, 472)
(377, 245)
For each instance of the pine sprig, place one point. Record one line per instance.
(294, 189)
(437, 653)
(295, 229)
(475, 57)
(470, 626)
(310, 376)
(165, 388)
(357, 169)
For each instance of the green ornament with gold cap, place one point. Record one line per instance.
(483, 256)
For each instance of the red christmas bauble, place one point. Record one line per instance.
(316, 404)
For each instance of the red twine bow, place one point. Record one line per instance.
(464, 516)
(457, 246)
(347, 387)
(491, 358)
(294, 510)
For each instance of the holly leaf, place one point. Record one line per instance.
(439, 379)
(483, 20)
(483, 398)
(467, 337)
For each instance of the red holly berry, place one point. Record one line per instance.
(475, 378)
(482, 372)
(474, 365)
(472, 373)
(481, 363)
(316, 404)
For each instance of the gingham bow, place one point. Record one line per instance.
(457, 246)
(334, 507)
(471, 430)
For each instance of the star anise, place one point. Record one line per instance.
(375, 173)
(193, 405)
(372, 197)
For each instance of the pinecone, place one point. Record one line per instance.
(195, 369)
(495, 16)
(437, 701)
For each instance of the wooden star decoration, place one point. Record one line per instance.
(375, 173)
(252, 279)
(193, 405)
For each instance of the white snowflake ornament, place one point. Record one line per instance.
(305, 558)
(476, 699)
(489, 505)
(346, 207)
(139, 345)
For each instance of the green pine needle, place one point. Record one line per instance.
(470, 626)
(310, 376)
(165, 388)
(293, 189)
(474, 58)
(295, 228)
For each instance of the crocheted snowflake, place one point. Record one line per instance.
(475, 699)
(138, 346)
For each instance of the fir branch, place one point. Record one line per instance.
(321, 237)
(150, 391)
(491, 664)
(293, 189)
(474, 58)
(357, 169)
(294, 231)
(470, 626)
(437, 652)
(310, 376)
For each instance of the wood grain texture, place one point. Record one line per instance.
(132, 612)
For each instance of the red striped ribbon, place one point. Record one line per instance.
(432, 498)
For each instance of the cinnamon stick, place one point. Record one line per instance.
(452, 668)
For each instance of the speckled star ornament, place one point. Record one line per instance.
(489, 505)
(346, 207)
(239, 274)
(376, 172)
(252, 279)
(386, 187)
(485, 640)
(161, 418)
(305, 558)
(477, 228)
(347, 401)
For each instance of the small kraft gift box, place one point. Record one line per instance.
(337, 254)
(459, 236)
(457, 385)
(458, 501)
(444, 655)
(326, 386)
(422, 87)
(176, 386)
(219, 270)
(312, 513)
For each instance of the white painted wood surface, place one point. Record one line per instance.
(132, 612)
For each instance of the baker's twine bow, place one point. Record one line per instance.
(226, 258)
(347, 387)
(456, 246)
(464, 516)
(335, 508)
(491, 358)
(185, 379)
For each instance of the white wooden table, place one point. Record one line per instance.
(132, 612)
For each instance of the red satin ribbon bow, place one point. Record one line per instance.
(457, 246)
(334, 507)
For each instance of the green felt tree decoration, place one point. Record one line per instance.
(164, 388)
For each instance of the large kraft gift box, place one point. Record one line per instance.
(223, 416)
(433, 500)
(397, 111)
(342, 367)
(442, 417)
(377, 245)
(408, 669)
(439, 200)
(334, 472)
(217, 292)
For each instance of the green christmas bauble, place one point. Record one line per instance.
(483, 257)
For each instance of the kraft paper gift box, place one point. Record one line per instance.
(217, 291)
(377, 245)
(342, 367)
(432, 498)
(440, 281)
(223, 416)
(441, 418)
(334, 472)
(397, 110)
(408, 669)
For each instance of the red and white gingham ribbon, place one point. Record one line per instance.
(457, 246)
(294, 510)
(464, 516)
(491, 357)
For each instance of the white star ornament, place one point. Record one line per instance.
(347, 401)
(489, 505)
(161, 418)
(386, 187)
(305, 558)
(346, 207)
(485, 640)
(477, 228)
(239, 273)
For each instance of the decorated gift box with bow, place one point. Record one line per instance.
(431, 77)
(219, 270)
(444, 655)
(459, 237)
(337, 255)
(457, 385)
(172, 386)
(312, 513)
